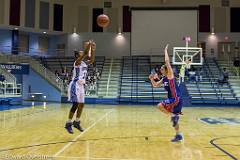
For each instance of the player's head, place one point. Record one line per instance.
(163, 70)
(78, 54)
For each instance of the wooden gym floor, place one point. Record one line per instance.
(118, 132)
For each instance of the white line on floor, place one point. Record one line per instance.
(100, 158)
(70, 143)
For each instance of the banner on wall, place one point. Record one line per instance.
(16, 68)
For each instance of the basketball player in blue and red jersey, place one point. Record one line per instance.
(173, 105)
(76, 89)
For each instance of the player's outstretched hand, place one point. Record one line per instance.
(166, 48)
(151, 76)
(156, 77)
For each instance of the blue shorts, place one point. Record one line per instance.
(172, 105)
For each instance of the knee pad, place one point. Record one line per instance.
(74, 107)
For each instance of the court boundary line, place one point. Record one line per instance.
(93, 139)
(100, 158)
(78, 136)
(222, 150)
(65, 157)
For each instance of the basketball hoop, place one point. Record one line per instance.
(183, 54)
(186, 57)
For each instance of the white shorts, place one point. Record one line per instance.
(76, 92)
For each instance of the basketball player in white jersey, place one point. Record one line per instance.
(76, 91)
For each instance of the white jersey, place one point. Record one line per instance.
(80, 72)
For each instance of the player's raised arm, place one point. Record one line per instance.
(82, 54)
(170, 74)
(92, 53)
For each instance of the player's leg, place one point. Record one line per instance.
(73, 98)
(173, 107)
(166, 106)
(175, 120)
(79, 110)
(77, 122)
(81, 100)
(160, 106)
(69, 123)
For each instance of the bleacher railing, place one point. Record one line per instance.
(10, 89)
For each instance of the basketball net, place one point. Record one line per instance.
(188, 64)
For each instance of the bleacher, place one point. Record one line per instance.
(234, 77)
(209, 91)
(135, 87)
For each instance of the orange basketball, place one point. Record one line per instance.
(103, 20)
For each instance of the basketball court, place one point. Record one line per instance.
(119, 132)
(141, 80)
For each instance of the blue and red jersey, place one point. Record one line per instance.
(174, 103)
(171, 86)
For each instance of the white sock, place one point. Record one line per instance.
(77, 120)
(69, 121)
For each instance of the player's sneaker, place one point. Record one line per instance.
(177, 138)
(77, 125)
(174, 120)
(68, 127)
